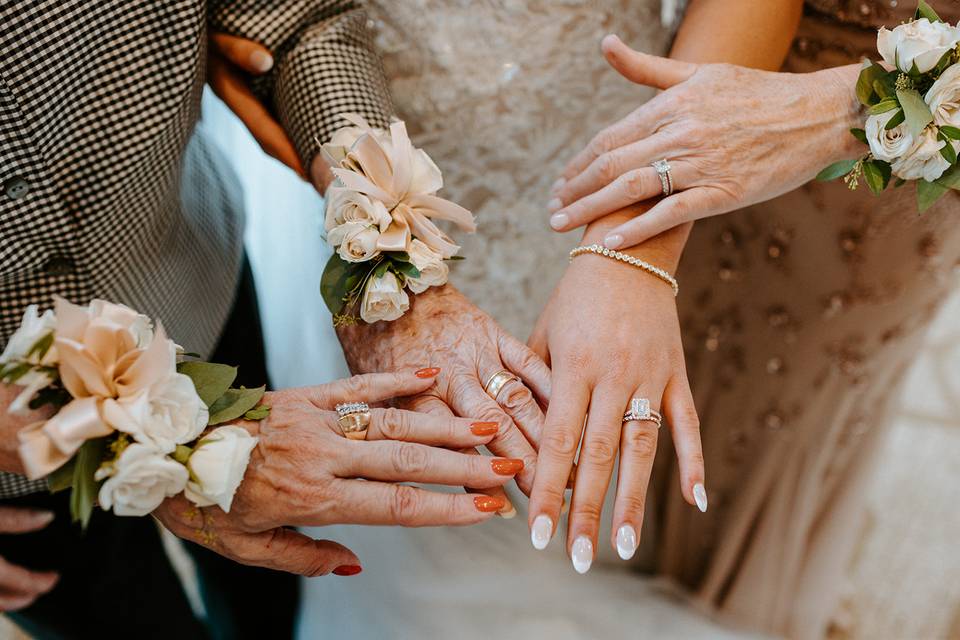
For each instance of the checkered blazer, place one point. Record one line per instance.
(105, 191)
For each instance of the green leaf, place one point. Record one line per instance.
(915, 109)
(899, 182)
(407, 269)
(895, 121)
(868, 75)
(41, 346)
(85, 488)
(886, 85)
(399, 256)
(381, 269)
(947, 151)
(951, 132)
(234, 403)
(14, 373)
(260, 412)
(877, 175)
(836, 170)
(456, 258)
(860, 135)
(211, 379)
(924, 10)
(62, 478)
(340, 278)
(928, 193)
(887, 104)
(951, 178)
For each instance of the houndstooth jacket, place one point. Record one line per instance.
(105, 191)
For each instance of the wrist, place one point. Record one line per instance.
(663, 251)
(837, 91)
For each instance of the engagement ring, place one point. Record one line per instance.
(640, 411)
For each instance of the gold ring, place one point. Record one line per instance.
(354, 420)
(497, 382)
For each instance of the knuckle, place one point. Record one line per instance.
(607, 167)
(588, 510)
(356, 385)
(687, 419)
(601, 450)
(633, 502)
(405, 505)
(516, 396)
(409, 460)
(559, 441)
(635, 184)
(643, 442)
(396, 424)
(600, 143)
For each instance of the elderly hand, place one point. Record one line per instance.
(733, 137)
(304, 472)
(20, 587)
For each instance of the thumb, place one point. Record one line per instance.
(23, 520)
(643, 68)
(291, 551)
(250, 56)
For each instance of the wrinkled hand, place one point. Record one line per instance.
(610, 333)
(20, 587)
(733, 136)
(446, 330)
(303, 472)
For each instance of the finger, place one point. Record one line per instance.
(15, 601)
(601, 441)
(268, 133)
(638, 447)
(679, 208)
(250, 56)
(681, 414)
(447, 431)
(372, 387)
(23, 520)
(558, 447)
(288, 550)
(23, 581)
(643, 68)
(379, 503)
(538, 338)
(531, 368)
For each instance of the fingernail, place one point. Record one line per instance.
(429, 372)
(582, 554)
(565, 507)
(559, 220)
(554, 205)
(509, 512)
(43, 517)
(484, 428)
(700, 496)
(559, 184)
(613, 242)
(347, 570)
(261, 61)
(541, 532)
(489, 504)
(506, 466)
(626, 541)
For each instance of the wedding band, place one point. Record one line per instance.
(354, 419)
(497, 382)
(640, 411)
(666, 178)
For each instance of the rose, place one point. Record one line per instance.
(167, 414)
(921, 43)
(888, 145)
(944, 97)
(33, 328)
(433, 270)
(355, 241)
(345, 205)
(139, 480)
(217, 465)
(383, 299)
(923, 160)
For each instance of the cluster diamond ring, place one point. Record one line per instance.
(666, 178)
(354, 419)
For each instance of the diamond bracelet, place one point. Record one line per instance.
(600, 250)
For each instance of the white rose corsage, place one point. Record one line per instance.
(913, 102)
(379, 218)
(132, 411)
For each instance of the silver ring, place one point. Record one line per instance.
(346, 408)
(666, 178)
(640, 411)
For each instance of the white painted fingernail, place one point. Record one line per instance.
(541, 532)
(626, 541)
(559, 184)
(582, 554)
(261, 61)
(554, 205)
(559, 220)
(613, 242)
(700, 495)
(509, 512)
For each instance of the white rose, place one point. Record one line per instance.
(433, 270)
(33, 328)
(346, 205)
(217, 465)
(355, 241)
(923, 160)
(166, 414)
(920, 42)
(887, 145)
(139, 480)
(384, 299)
(944, 98)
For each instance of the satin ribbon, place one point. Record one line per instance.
(47, 446)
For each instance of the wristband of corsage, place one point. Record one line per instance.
(913, 102)
(379, 218)
(131, 411)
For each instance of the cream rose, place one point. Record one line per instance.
(923, 160)
(345, 205)
(167, 414)
(33, 328)
(217, 465)
(920, 42)
(139, 480)
(944, 98)
(433, 270)
(384, 299)
(355, 241)
(887, 145)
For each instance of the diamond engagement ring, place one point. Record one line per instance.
(640, 411)
(666, 179)
(354, 419)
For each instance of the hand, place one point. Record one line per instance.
(20, 587)
(446, 330)
(733, 136)
(610, 333)
(303, 472)
(231, 57)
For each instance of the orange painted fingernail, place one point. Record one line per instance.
(506, 466)
(489, 504)
(429, 372)
(484, 428)
(347, 570)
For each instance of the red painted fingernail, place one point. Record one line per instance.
(506, 466)
(347, 570)
(489, 504)
(429, 372)
(484, 428)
